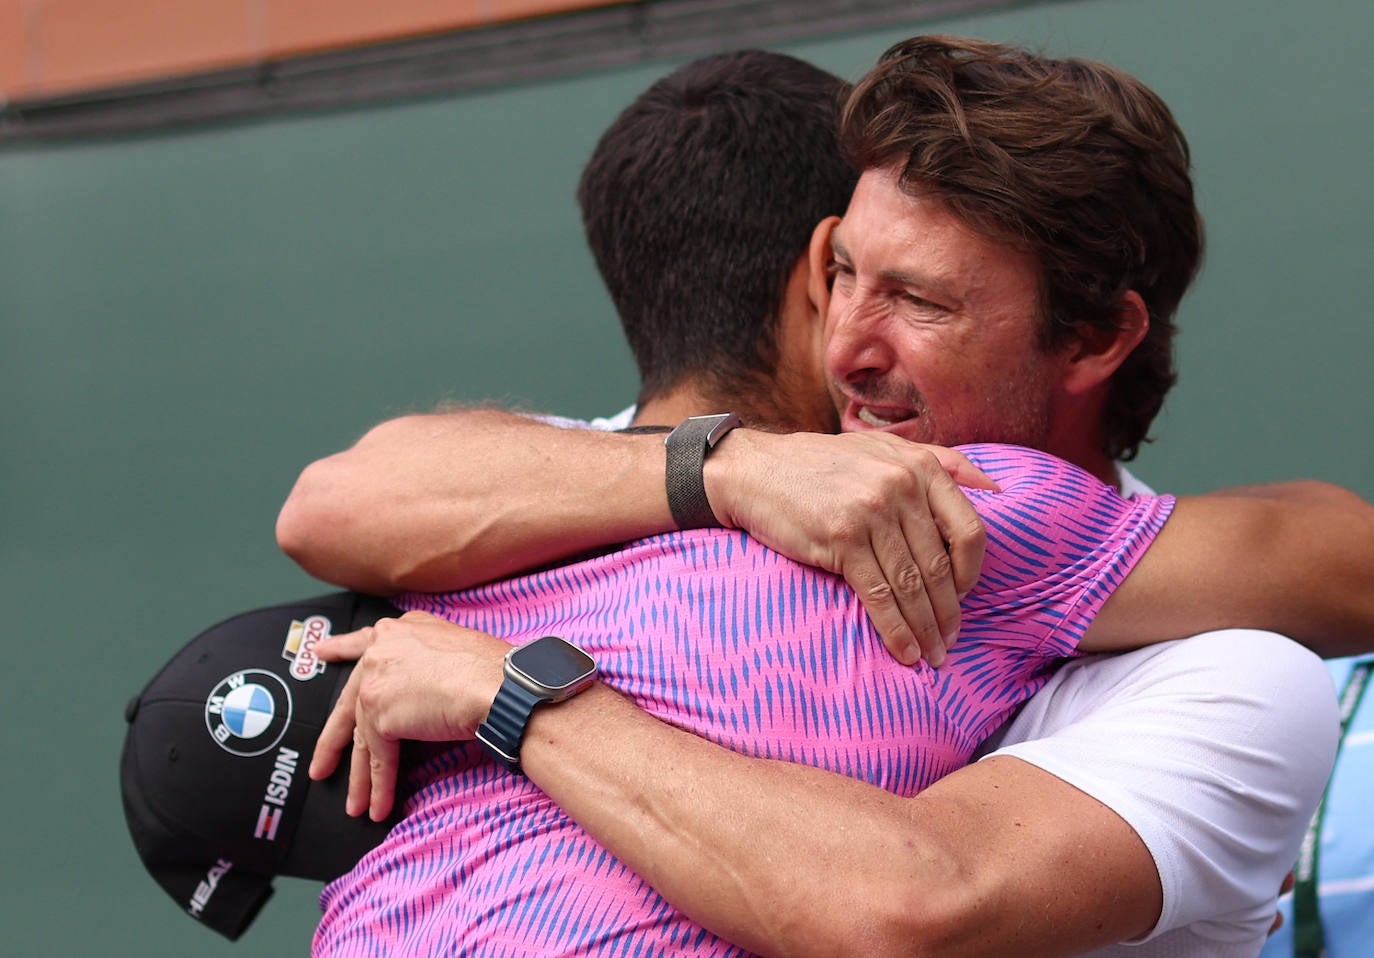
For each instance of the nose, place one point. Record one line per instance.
(855, 348)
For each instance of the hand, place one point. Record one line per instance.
(419, 678)
(885, 513)
(1285, 888)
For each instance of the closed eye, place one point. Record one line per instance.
(920, 301)
(834, 268)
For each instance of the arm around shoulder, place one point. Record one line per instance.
(998, 858)
(448, 500)
(1295, 558)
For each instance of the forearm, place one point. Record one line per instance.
(1311, 492)
(1294, 558)
(1315, 541)
(998, 858)
(788, 859)
(444, 501)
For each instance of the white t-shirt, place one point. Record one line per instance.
(1215, 750)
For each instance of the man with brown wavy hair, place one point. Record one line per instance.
(1141, 795)
(1069, 162)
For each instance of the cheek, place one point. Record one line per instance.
(939, 356)
(858, 313)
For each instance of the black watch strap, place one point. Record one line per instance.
(504, 728)
(688, 446)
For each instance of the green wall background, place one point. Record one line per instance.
(188, 319)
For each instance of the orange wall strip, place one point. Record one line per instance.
(61, 47)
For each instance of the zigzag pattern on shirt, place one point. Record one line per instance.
(715, 633)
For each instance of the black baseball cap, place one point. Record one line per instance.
(214, 772)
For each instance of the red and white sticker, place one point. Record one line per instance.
(299, 647)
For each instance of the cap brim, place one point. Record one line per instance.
(191, 798)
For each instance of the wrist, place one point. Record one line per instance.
(725, 474)
(545, 672)
(688, 448)
(476, 692)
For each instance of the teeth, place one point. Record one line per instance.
(868, 416)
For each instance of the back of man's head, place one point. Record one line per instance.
(1072, 161)
(698, 201)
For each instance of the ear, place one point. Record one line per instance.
(798, 325)
(818, 286)
(798, 296)
(1095, 356)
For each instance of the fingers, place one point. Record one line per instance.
(961, 469)
(374, 765)
(963, 538)
(372, 774)
(870, 583)
(337, 732)
(909, 590)
(347, 646)
(359, 777)
(383, 761)
(1285, 888)
(400, 690)
(926, 555)
(903, 551)
(929, 588)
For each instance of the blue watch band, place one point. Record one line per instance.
(547, 670)
(504, 728)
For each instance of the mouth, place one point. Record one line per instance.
(892, 409)
(882, 417)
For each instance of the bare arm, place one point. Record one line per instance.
(1295, 558)
(998, 858)
(440, 502)
(437, 502)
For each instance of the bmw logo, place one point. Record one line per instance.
(248, 712)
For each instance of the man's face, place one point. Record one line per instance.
(931, 328)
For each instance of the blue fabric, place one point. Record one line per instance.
(1345, 879)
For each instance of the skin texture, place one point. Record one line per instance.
(998, 856)
(932, 333)
(931, 328)
(883, 875)
(1187, 582)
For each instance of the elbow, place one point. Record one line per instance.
(1349, 577)
(315, 529)
(298, 521)
(895, 917)
(1330, 494)
(923, 922)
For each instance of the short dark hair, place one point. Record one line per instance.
(1072, 161)
(697, 203)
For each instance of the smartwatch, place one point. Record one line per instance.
(544, 671)
(687, 446)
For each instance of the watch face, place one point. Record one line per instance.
(554, 664)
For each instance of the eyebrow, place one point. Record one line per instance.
(920, 281)
(835, 245)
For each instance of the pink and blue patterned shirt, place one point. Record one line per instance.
(712, 632)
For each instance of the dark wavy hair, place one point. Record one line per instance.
(698, 201)
(1072, 161)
